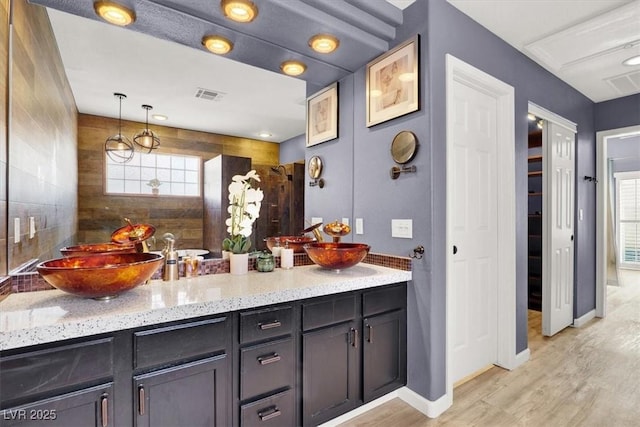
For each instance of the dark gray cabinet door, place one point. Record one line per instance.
(88, 407)
(193, 394)
(330, 372)
(385, 353)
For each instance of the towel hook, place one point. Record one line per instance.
(418, 251)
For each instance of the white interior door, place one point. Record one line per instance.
(558, 221)
(474, 230)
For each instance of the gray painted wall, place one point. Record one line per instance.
(292, 150)
(358, 185)
(625, 165)
(618, 148)
(617, 113)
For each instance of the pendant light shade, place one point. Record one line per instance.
(118, 147)
(146, 140)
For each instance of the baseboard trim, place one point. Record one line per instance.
(410, 397)
(583, 320)
(522, 357)
(431, 409)
(360, 410)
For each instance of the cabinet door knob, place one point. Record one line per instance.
(104, 410)
(270, 325)
(455, 249)
(272, 358)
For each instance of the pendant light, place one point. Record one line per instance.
(146, 140)
(118, 147)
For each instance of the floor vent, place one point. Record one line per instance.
(209, 95)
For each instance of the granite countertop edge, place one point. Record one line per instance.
(48, 316)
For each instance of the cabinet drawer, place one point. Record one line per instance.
(328, 311)
(277, 410)
(163, 345)
(41, 371)
(384, 299)
(267, 367)
(264, 324)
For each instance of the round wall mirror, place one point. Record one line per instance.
(315, 167)
(404, 147)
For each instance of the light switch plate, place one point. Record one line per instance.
(402, 228)
(345, 221)
(16, 230)
(359, 226)
(316, 220)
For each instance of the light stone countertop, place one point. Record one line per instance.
(31, 318)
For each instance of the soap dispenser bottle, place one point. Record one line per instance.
(170, 271)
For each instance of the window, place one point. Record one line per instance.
(628, 213)
(176, 175)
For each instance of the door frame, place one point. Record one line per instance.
(602, 194)
(459, 71)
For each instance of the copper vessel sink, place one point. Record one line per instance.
(335, 255)
(98, 248)
(101, 276)
(294, 242)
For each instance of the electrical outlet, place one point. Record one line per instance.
(32, 227)
(316, 220)
(359, 226)
(402, 228)
(345, 221)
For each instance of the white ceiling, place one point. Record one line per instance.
(580, 41)
(583, 42)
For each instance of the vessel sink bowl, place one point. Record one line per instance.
(336, 255)
(101, 276)
(295, 242)
(97, 248)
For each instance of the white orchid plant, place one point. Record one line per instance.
(244, 209)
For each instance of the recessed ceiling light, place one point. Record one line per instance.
(293, 68)
(324, 43)
(217, 44)
(634, 60)
(114, 13)
(239, 10)
(160, 117)
(264, 134)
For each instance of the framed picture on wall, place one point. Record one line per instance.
(393, 83)
(322, 115)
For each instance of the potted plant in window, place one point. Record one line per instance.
(244, 209)
(154, 184)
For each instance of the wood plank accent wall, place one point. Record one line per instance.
(99, 214)
(4, 76)
(42, 140)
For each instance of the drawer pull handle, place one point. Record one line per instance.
(269, 414)
(354, 343)
(104, 410)
(272, 358)
(141, 399)
(370, 333)
(270, 325)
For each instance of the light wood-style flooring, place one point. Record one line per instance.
(587, 376)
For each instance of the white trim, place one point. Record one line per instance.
(601, 213)
(584, 319)
(410, 397)
(459, 71)
(545, 114)
(360, 410)
(522, 357)
(429, 408)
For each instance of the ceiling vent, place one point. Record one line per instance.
(626, 84)
(209, 95)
